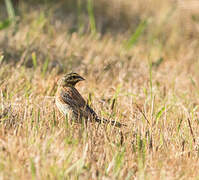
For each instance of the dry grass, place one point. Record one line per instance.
(154, 84)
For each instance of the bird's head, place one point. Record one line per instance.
(70, 80)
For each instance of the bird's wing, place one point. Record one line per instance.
(73, 98)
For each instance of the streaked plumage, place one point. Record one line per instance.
(70, 102)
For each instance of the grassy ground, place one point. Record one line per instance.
(140, 61)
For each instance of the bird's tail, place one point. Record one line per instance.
(105, 121)
(113, 123)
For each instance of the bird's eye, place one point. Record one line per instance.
(72, 78)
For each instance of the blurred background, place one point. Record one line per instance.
(41, 26)
(140, 59)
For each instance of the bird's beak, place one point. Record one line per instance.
(81, 78)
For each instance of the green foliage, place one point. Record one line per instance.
(5, 24)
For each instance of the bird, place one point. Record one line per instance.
(72, 105)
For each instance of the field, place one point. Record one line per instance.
(140, 60)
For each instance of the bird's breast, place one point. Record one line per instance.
(63, 108)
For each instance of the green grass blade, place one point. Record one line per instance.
(91, 16)
(159, 114)
(34, 60)
(1, 58)
(10, 9)
(79, 16)
(134, 37)
(45, 66)
(33, 168)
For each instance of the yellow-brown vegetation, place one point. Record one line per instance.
(140, 60)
